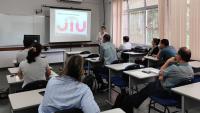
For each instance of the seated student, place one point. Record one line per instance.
(153, 51)
(108, 54)
(23, 54)
(166, 51)
(34, 67)
(126, 44)
(170, 75)
(67, 91)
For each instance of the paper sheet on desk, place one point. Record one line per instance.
(141, 75)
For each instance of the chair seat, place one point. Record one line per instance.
(118, 81)
(196, 79)
(86, 67)
(164, 102)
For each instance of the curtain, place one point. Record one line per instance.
(172, 21)
(194, 30)
(117, 21)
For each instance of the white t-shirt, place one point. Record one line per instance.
(100, 37)
(34, 71)
(125, 46)
(22, 55)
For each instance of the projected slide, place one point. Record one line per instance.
(68, 25)
(71, 22)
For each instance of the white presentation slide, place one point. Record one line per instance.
(67, 25)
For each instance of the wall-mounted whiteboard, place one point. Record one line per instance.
(13, 28)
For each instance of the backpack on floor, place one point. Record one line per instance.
(90, 81)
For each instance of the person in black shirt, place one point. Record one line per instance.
(153, 51)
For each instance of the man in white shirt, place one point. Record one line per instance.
(101, 34)
(126, 44)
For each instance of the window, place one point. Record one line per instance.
(151, 25)
(151, 2)
(136, 4)
(136, 27)
(143, 21)
(124, 19)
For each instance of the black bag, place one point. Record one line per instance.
(89, 80)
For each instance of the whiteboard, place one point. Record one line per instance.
(13, 28)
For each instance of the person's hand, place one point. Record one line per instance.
(160, 78)
(171, 60)
(154, 55)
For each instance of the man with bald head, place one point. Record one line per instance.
(172, 73)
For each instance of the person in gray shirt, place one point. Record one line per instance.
(175, 71)
(108, 54)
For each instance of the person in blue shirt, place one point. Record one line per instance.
(166, 51)
(67, 91)
(173, 72)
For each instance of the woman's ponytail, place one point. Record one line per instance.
(34, 52)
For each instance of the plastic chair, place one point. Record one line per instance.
(196, 79)
(35, 85)
(74, 110)
(174, 101)
(121, 81)
(86, 67)
(125, 57)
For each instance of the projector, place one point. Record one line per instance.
(77, 1)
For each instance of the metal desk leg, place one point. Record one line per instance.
(129, 86)
(88, 67)
(109, 89)
(109, 86)
(182, 104)
(148, 62)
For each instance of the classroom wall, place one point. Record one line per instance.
(28, 7)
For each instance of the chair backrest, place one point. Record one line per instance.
(93, 56)
(125, 57)
(85, 52)
(184, 82)
(196, 79)
(132, 67)
(35, 85)
(75, 110)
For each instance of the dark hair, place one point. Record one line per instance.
(74, 67)
(103, 27)
(34, 52)
(27, 43)
(126, 39)
(165, 42)
(156, 41)
(106, 38)
(185, 53)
